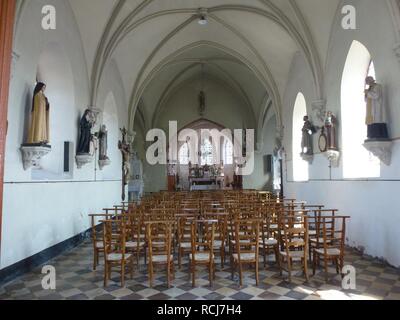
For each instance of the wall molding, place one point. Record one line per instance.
(18, 269)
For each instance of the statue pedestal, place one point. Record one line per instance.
(333, 156)
(32, 155)
(104, 163)
(307, 157)
(83, 159)
(382, 149)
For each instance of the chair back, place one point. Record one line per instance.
(202, 238)
(159, 239)
(294, 233)
(114, 237)
(247, 238)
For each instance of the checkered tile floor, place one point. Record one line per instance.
(77, 281)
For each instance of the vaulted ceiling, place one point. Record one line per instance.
(249, 45)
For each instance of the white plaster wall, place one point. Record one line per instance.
(260, 179)
(40, 214)
(371, 203)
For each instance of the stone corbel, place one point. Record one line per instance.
(32, 155)
(83, 159)
(333, 156)
(104, 163)
(380, 149)
(307, 157)
(319, 110)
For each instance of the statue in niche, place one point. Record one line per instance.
(39, 130)
(85, 133)
(330, 130)
(202, 103)
(103, 143)
(375, 120)
(124, 147)
(307, 141)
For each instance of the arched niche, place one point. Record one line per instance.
(300, 167)
(110, 120)
(357, 161)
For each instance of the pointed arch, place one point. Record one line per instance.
(357, 161)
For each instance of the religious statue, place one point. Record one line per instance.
(375, 120)
(125, 151)
(307, 141)
(102, 136)
(330, 129)
(202, 103)
(39, 130)
(85, 135)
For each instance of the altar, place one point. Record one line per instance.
(206, 178)
(206, 184)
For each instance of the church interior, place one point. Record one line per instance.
(199, 150)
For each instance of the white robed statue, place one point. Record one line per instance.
(376, 117)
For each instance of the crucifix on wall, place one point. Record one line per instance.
(124, 147)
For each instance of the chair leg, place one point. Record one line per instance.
(211, 274)
(241, 274)
(276, 249)
(326, 269)
(123, 274)
(257, 274)
(289, 263)
(95, 254)
(132, 267)
(179, 258)
(337, 265)
(106, 274)
(193, 274)
(314, 263)
(151, 274)
(306, 269)
(169, 275)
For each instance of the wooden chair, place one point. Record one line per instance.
(221, 233)
(331, 247)
(159, 245)
(202, 247)
(184, 235)
(269, 238)
(97, 237)
(135, 237)
(246, 247)
(294, 232)
(314, 231)
(114, 237)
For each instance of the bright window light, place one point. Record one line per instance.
(300, 167)
(357, 161)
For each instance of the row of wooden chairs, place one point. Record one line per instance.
(202, 225)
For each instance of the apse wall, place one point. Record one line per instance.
(370, 202)
(224, 106)
(44, 208)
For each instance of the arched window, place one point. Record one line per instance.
(206, 150)
(357, 161)
(184, 155)
(300, 167)
(228, 153)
